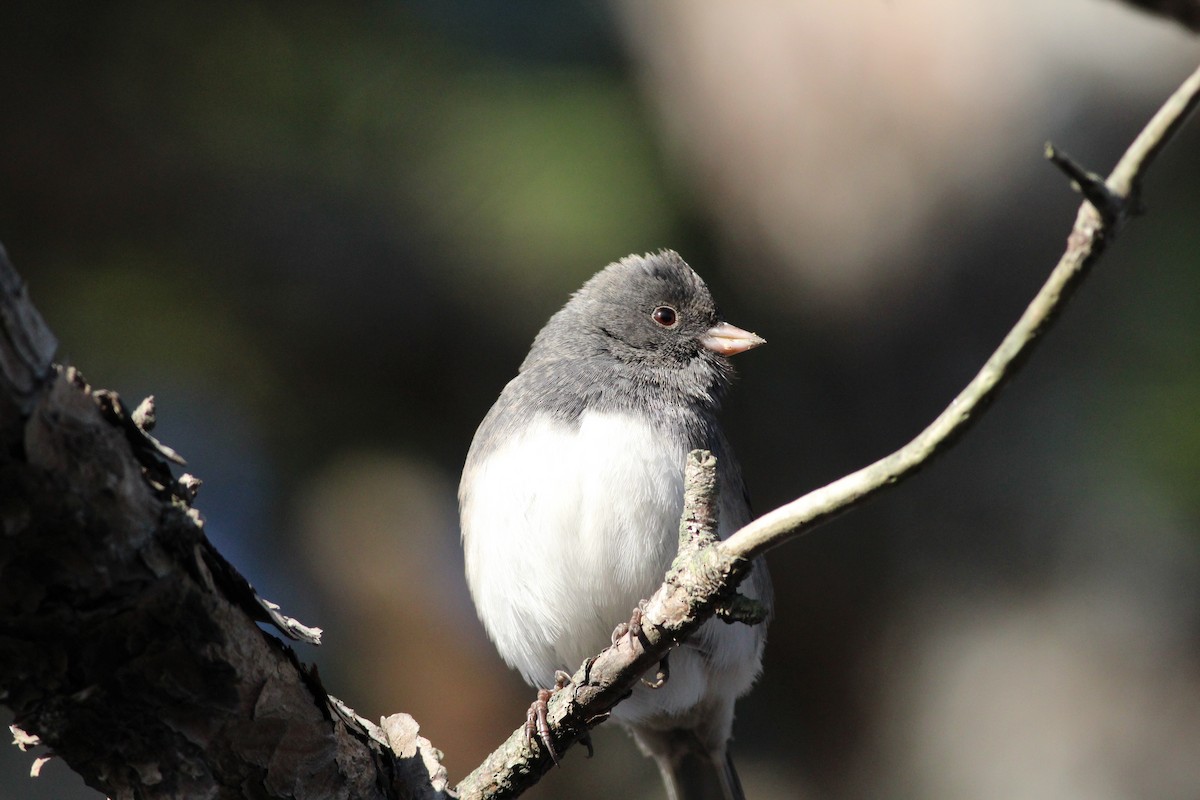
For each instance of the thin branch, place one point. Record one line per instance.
(1087, 241)
(705, 582)
(1160, 130)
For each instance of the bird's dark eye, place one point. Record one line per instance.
(665, 316)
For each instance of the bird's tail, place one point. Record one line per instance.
(689, 771)
(701, 777)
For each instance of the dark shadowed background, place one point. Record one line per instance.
(324, 238)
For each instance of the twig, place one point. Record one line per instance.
(1089, 184)
(513, 766)
(1091, 234)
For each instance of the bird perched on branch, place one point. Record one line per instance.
(571, 496)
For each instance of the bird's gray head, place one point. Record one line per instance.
(652, 311)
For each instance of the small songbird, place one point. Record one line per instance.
(571, 496)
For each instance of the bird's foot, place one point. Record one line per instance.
(662, 675)
(536, 721)
(632, 629)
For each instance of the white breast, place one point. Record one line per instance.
(564, 530)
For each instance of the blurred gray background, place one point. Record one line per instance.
(324, 238)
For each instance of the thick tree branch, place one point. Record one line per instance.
(26, 351)
(128, 645)
(703, 580)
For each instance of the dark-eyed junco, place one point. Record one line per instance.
(571, 496)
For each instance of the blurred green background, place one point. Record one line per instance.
(324, 237)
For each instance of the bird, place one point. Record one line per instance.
(571, 495)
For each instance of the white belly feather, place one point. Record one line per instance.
(565, 530)
(558, 514)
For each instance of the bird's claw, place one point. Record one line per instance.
(662, 676)
(536, 721)
(632, 629)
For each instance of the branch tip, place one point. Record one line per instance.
(1093, 187)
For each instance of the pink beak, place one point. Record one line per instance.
(729, 340)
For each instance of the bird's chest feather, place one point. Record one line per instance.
(582, 518)
(630, 479)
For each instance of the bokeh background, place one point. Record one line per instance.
(324, 237)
